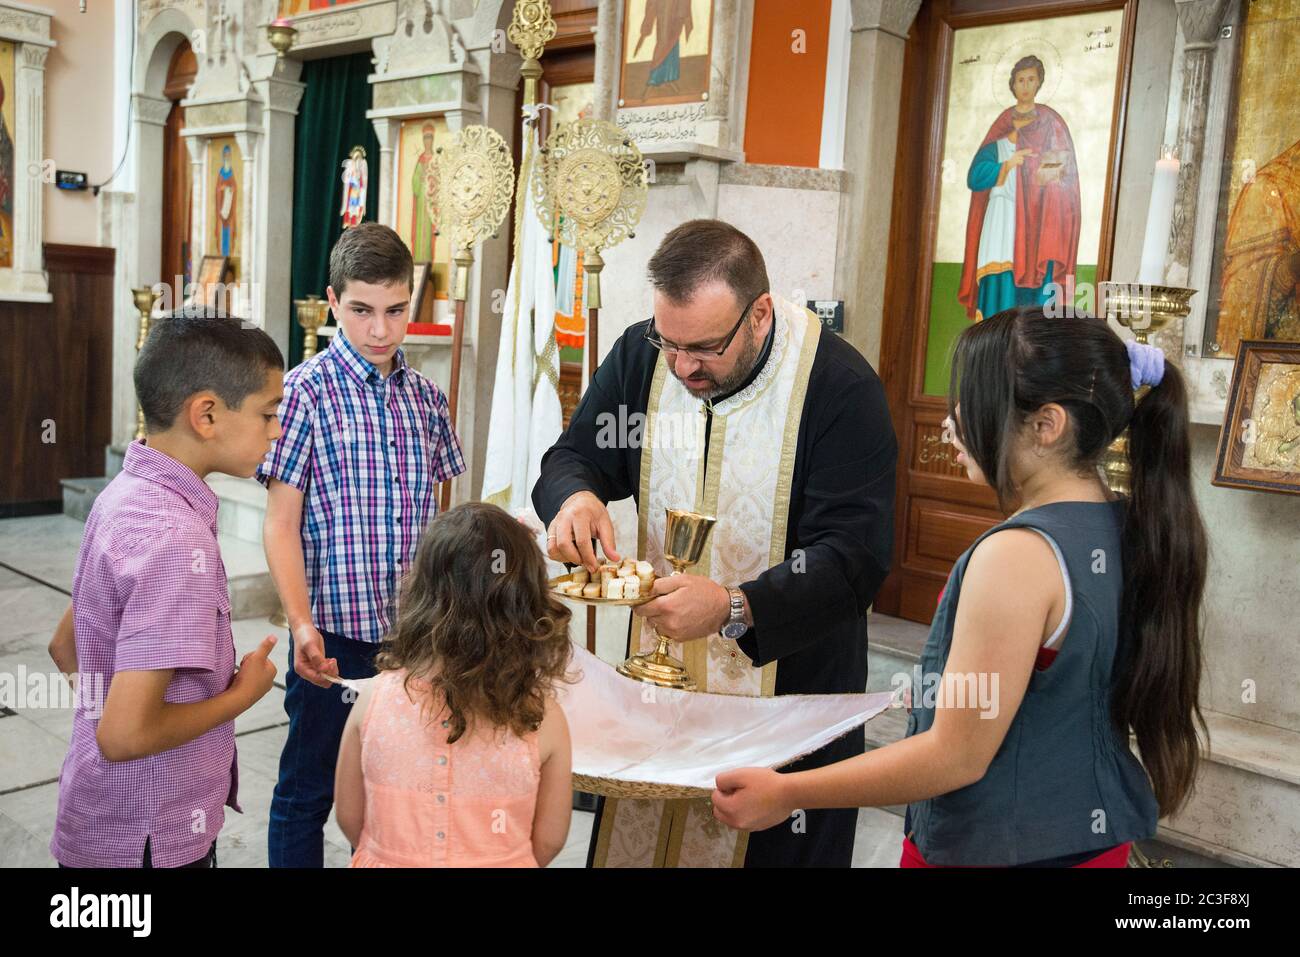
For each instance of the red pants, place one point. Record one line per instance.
(1115, 857)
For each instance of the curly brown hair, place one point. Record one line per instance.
(477, 620)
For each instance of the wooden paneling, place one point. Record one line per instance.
(575, 24)
(57, 365)
(938, 532)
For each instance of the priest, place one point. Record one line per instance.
(734, 402)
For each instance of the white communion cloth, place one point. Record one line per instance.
(626, 730)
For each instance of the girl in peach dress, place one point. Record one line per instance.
(456, 754)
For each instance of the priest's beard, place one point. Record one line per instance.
(739, 373)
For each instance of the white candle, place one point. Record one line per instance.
(1160, 216)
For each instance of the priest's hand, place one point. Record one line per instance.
(581, 520)
(751, 799)
(686, 607)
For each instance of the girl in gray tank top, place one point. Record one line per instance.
(1061, 632)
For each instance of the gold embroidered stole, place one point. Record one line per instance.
(745, 482)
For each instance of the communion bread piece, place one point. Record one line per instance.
(580, 576)
(569, 588)
(591, 590)
(631, 587)
(645, 570)
(614, 589)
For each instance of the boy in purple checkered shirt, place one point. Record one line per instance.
(150, 769)
(351, 485)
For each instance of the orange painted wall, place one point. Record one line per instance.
(783, 119)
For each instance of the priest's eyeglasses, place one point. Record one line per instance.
(698, 353)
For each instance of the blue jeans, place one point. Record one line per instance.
(304, 792)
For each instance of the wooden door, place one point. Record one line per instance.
(939, 512)
(176, 173)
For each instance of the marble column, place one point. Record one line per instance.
(387, 130)
(249, 267)
(498, 80)
(879, 34)
(1200, 21)
(609, 51)
(197, 146)
(149, 118)
(276, 85)
(27, 280)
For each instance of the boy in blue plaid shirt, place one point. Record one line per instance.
(351, 485)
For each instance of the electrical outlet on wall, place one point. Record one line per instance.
(830, 312)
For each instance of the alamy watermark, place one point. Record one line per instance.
(23, 690)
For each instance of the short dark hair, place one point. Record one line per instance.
(373, 253)
(708, 250)
(1027, 63)
(200, 348)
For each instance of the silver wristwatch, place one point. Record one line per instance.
(735, 627)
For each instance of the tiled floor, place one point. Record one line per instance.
(37, 558)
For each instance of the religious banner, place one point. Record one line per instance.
(225, 193)
(1027, 168)
(666, 52)
(417, 194)
(1255, 273)
(6, 154)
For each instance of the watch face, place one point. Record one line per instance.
(734, 629)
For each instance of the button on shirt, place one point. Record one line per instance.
(149, 594)
(367, 452)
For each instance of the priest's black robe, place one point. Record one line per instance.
(810, 613)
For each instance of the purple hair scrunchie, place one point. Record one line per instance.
(1146, 363)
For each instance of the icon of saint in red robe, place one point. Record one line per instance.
(1022, 235)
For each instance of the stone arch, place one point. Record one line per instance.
(158, 40)
(156, 43)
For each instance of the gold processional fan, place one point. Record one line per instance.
(477, 180)
(591, 193)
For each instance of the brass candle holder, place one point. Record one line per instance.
(143, 300)
(281, 34)
(1145, 310)
(684, 538)
(311, 313)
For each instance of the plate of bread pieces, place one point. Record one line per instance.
(627, 583)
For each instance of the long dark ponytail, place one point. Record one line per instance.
(1157, 681)
(1012, 364)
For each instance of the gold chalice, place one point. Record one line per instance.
(684, 540)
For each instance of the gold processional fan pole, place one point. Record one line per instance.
(477, 179)
(591, 194)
